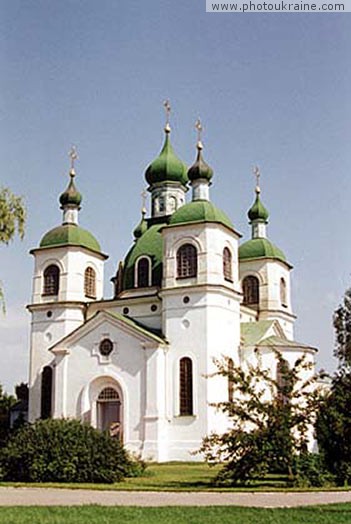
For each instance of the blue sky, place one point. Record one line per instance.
(272, 90)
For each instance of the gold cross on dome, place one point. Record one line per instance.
(199, 128)
(73, 156)
(167, 107)
(257, 174)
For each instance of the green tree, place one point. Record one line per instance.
(334, 419)
(342, 327)
(12, 221)
(270, 420)
(6, 402)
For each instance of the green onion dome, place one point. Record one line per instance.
(200, 211)
(258, 212)
(141, 228)
(70, 235)
(71, 196)
(150, 244)
(260, 248)
(200, 170)
(167, 167)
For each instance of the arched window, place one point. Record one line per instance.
(230, 380)
(51, 280)
(143, 272)
(90, 283)
(251, 290)
(283, 381)
(283, 292)
(172, 204)
(186, 261)
(46, 393)
(185, 386)
(227, 265)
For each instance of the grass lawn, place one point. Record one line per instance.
(173, 476)
(335, 513)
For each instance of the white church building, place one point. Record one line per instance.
(186, 292)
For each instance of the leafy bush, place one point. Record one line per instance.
(310, 470)
(65, 451)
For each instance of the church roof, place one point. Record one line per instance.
(71, 195)
(150, 244)
(258, 212)
(282, 343)
(166, 167)
(100, 316)
(269, 333)
(260, 248)
(70, 235)
(253, 332)
(200, 169)
(152, 333)
(200, 211)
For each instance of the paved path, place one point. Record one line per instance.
(75, 497)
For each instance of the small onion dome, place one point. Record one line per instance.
(200, 169)
(258, 212)
(141, 227)
(71, 196)
(166, 167)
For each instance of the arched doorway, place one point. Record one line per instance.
(109, 411)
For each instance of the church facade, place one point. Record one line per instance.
(138, 364)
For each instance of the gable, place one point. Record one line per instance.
(252, 333)
(106, 322)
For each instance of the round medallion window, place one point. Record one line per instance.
(106, 347)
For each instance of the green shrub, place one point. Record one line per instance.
(310, 470)
(64, 451)
(333, 428)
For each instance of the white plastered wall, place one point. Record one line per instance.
(54, 317)
(135, 367)
(269, 273)
(201, 320)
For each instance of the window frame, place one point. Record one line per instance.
(90, 282)
(283, 292)
(51, 288)
(149, 271)
(227, 264)
(251, 294)
(46, 390)
(186, 261)
(186, 387)
(106, 347)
